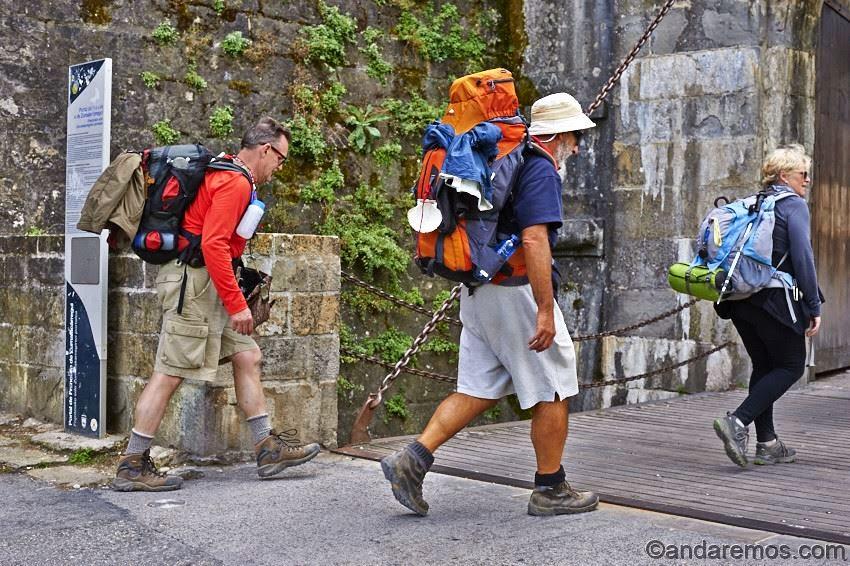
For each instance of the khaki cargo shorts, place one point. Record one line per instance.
(193, 344)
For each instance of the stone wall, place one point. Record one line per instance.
(300, 343)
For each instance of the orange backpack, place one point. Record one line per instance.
(465, 246)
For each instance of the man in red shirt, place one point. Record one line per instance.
(214, 324)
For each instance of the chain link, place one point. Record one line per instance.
(630, 57)
(618, 331)
(414, 348)
(393, 299)
(452, 379)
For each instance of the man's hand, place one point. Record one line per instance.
(242, 322)
(545, 334)
(814, 326)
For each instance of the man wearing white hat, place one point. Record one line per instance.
(514, 339)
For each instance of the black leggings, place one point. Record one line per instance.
(779, 358)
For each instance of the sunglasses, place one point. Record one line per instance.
(281, 157)
(805, 175)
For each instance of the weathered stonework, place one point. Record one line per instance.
(300, 345)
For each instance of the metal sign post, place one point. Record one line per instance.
(89, 121)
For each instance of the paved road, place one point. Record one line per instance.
(334, 510)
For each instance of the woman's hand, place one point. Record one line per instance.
(814, 326)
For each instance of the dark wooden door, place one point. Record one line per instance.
(831, 188)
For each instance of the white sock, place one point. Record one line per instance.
(769, 443)
(739, 422)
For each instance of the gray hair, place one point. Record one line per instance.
(267, 130)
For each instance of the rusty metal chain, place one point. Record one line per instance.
(388, 365)
(452, 379)
(414, 348)
(630, 57)
(393, 299)
(618, 331)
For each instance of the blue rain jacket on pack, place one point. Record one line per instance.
(467, 156)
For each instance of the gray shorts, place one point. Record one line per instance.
(494, 357)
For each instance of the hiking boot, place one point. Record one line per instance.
(405, 473)
(137, 472)
(561, 500)
(735, 438)
(281, 450)
(778, 453)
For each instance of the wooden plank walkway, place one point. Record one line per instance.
(664, 456)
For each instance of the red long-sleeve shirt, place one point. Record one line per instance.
(215, 213)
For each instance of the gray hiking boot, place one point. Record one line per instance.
(778, 453)
(405, 473)
(561, 500)
(735, 438)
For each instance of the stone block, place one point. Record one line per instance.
(130, 354)
(13, 386)
(122, 394)
(47, 270)
(50, 244)
(13, 271)
(789, 71)
(33, 306)
(126, 271)
(131, 311)
(18, 245)
(300, 244)
(642, 264)
(787, 118)
(303, 357)
(71, 476)
(64, 441)
(628, 307)
(715, 72)
(297, 405)
(580, 237)
(306, 273)
(18, 458)
(45, 392)
(314, 314)
(695, 117)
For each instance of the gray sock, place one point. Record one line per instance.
(260, 427)
(138, 443)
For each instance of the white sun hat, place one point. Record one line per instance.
(558, 113)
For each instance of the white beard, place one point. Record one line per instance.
(561, 156)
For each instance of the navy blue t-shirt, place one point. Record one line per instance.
(536, 199)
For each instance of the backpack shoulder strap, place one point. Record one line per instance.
(224, 163)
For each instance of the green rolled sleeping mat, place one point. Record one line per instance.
(696, 281)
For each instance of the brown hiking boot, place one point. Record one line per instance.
(281, 450)
(137, 472)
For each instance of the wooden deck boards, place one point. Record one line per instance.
(664, 456)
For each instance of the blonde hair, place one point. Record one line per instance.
(784, 159)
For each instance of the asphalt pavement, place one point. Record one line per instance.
(338, 510)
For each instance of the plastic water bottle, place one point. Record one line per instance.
(507, 248)
(251, 219)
